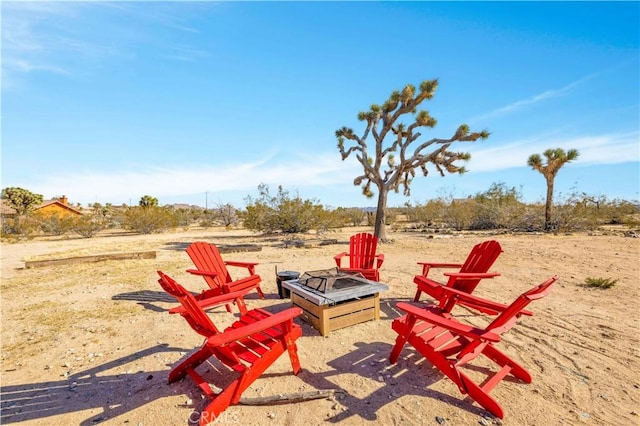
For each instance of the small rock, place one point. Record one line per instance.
(271, 415)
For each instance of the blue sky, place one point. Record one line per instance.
(200, 102)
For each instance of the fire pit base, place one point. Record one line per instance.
(326, 318)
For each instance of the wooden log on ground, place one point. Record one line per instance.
(238, 248)
(95, 258)
(292, 397)
(309, 243)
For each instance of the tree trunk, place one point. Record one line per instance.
(547, 206)
(379, 230)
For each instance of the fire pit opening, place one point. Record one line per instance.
(326, 280)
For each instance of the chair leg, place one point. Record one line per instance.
(260, 293)
(220, 403)
(483, 398)
(293, 354)
(416, 298)
(397, 348)
(501, 359)
(404, 327)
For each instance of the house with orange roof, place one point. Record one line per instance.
(47, 208)
(58, 207)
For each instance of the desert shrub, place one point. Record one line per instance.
(116, 217)
(207, 219)
(621, 212)
(531, 218)
(352, 216)
(183, 217)
(576, 212)
(227, 215)
(603, 283)
(499, 207)
(389, 216)
(20, 227)
(149, 220)
(415, 215)
(284, 213)
(56, 224)
(89, 225)
(460, 214)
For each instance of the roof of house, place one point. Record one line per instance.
(6, 209)
(64, 205)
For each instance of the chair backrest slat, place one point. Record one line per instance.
(206, 257)
(194, 314)
(507, 318)
(479, 260)
(482, 256)
(362, 250)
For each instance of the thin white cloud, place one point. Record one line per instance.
(26, 47)
(184, 53)
(54, 37)
(601, 149)
(122, 186)
(549, 94)
(27, 66)
(167, 18)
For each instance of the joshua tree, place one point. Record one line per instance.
(148, 201)
(22, 200)
(555, 159)
(388, 167)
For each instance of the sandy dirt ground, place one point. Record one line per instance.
(92, 343)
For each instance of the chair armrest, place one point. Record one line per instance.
(212, 302)
(471, 275)
(475, 302)
(432, 288)
(211, 274)
(450, 324)
(380, 258)
(251, 266)
(234, 334)
(428, 265)
(338, 258)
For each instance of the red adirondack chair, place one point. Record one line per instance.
(208, 261)
(469, 274)
(248, 347)
(449, 344)
(362, 256)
